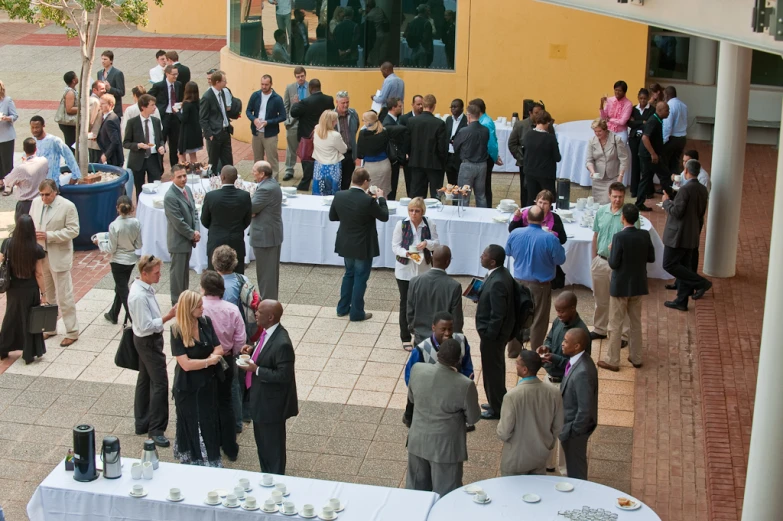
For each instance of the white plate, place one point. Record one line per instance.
(244, 364)
(636, 505)
(480, 503)
(181, 498)
(267, 486)
(131, 494)
(231, 506)
(472, 489)
(308, 517)
(244, 507)
(564, 486)
(531, 498)
(287, 514)
(277, 509)
(328, 518)
(500, 219)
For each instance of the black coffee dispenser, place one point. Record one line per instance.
(84, 453)
(563, 194)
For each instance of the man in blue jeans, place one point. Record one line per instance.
(357, 240)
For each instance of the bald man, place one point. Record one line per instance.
(271, 386)
(580, 402)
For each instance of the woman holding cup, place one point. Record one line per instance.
(413, 241)
(606, 159)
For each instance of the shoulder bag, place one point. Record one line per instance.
(305, 148)
(127, 357)
(61, 116)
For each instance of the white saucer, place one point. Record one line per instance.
(287, 514)
(636, 506)
(277, 509)
(248, 489)
(531, 498)
(244, 507)
(328, 518)
(181, 498)
(231, 506)
(221, 492)
(244, 364)
(267, 486)
(480, 503)
(564, 486)
(472, 489)
(131, 494)
(308, 517)
(216, 503)
(291, 196)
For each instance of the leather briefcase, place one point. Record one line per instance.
(43, 318)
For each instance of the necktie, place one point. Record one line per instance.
(255, 357)
(568, 367)
(223, 107)
(172, 96)
(43, 212)
(185, 193)
(147, 151)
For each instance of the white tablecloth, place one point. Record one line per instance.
(310, 236)
(573, 138)
(60, 497)
(503, 132)
(507, 505)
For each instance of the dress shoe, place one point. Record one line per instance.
(109, 318)
(489, 415)
(596, 336)
(672, 304)
(161, 441)
(608, 367)
(367, 316)
(633, 364)
(288, 177)
(486, 407)
(68, 341)
(47, 336)
(470, 428)
(644, 208)
(671, 286)
(699, 293)
(623, 344)
(231, 457)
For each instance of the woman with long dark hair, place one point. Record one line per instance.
(24, 257)
(190, 137)
(124, 240)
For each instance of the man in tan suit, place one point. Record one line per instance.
(530, 420)
(57, 224)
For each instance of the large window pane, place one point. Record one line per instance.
(669, 56)
(767, 69)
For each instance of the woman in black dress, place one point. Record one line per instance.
(190, 138)
(23, 256)
(198, 352)
(541, 157)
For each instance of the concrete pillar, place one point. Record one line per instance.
(763, 499)
(728, 160)
(705, 60)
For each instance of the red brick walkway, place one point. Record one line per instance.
(127, 42)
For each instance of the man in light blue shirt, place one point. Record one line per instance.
(675, 127)
(54, 150)
(393, 87)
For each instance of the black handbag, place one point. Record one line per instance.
(127, 357)
(5, 273)
(43, 319)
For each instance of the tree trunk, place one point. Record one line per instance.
(92, 22)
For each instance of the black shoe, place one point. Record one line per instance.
(108, 317)
(596, 336)
(673, 305)
(489, 415)
(341, 316)
(470, 428)
(288, 177)
(637, 366)
(231, 457)
(644, 208)
(161, 441)
(623, 344)
(486, 407)
(671, 286)
(367, 316)
(699, 293)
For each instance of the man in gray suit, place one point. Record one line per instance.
(445, 402)
(266, 230)
(347, 126)
(579, 390)
(432, 292)
(294, 93)
(181, 232)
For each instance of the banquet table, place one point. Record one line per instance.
(507, 505)
(309, 237)
(59, 496)
(573, 138)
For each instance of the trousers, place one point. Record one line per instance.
(556, 458)
(179, 274)
(575, 450)
(265, 149)
(494, 372)
(151, 404)
(151, 168)
(601, 275)
(428, 476)
(421, 178)
(353, 287)
(292, 142)
(678, 262)
(405, 333)
(270, 443)
(475, 175)
(624, 310)
(228, 432)
(268, 271)
(121, 274)
(59, 288)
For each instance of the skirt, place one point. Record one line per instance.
(326, 178)
(380, 174)
(20, 298)
(197, 439)
(193, 150)
(600, 190)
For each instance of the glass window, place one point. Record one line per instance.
(766, 69)
(669, 55)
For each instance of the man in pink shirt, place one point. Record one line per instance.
(617, 110)
(230, 330)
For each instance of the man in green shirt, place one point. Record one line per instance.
(607, 222)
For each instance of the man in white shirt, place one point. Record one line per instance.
(156, 73)
(703, 177)
(455, 122)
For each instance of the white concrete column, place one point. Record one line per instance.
(728, 160)
(705, 60)
(763, 499)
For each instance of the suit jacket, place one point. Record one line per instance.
(429, 293)
(450, 123)
(309, 111)
(116, 81)
(266, 228)
(515, 138)
(399, 136)
(292, 93)
(184, 74)
(134, 134)
(685, 216)
(275, 113)
(162, 93)
(610, 160)
(429, 142)
(357, 236)
(495, 309)
(210, 115)
(181, 217)
(405, 118)
(530, 422)
(110, 140)
(631, 250)
(61, 224)
(226, 214)
(579, 390)
(445, 401)
(272, 392)
(353, 128)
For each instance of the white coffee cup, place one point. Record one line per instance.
(413, 249)
(136, 470)
(213, 496)
(334, 503)
(267, 479)
(156, 183)
(232, 499)
(277, 496)
(373, 189)
(327, 513)
(280, 487)
(590, 201)
(174, 493)
(289, 507)
(269, 505)
(308, 510)
(90, 135)
(250, 502)
(244, 483)
(138, 490)
(244, 359)
(146, 470)
(481, 497)
(677, 178)
(239, 492)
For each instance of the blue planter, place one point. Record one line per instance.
(96, 204)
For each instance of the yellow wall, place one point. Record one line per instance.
(190, 16)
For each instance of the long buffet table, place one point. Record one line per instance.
(310, 236)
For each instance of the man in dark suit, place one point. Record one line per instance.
(580, 402)
(214, 122)
(271, 386)
(681, 237)
(357, 240)
(309, 111)
(630, 251)
(172, 58)
(454, 123)
(429, 148)
(110, 135)
(417, 105)
(494, 322)
(115, 78)
(399, 138)
(226, 214)
(139, 133)
(168, 98)
(182, 232)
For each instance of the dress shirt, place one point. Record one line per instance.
(144, 309)
(169, 86)
(152, 150)
(471, 143)
(536, 253)
(301, 91)
(283, 7)
(124, 240)
(677, 123)
(492, 145)
(228, 324)
(156, 74)
(574, 359)
(554, 341)
(454, 127)
(54, 150)
(220, 104)
(260, 347)
(606, 224)
(410, 270)
(393, 87)
(232, 289)
(27, 189)
(617, 113)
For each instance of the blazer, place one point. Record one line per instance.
(181, 217)
(495, 310)
(637, 121)
(631, 250)
(226, 214)
(579, 390)
(116, 81)
(110, 140)
(266, 227)
(530, 422)
(134, 134)
(190, 137)
(521, 128)
(450, 123)
(292, 93)
(357, 235)
(607, 161)
(61, 224)
(429, 293)
(275, 113)
(685, 216)
(405, 118)
(445, 401)
(7, 107)
(210, 115)
(353, 128)
(272, 392)
(429, 142)
(184, 74)
(309, 111)
(162, 93)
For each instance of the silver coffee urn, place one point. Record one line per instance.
(110, 455)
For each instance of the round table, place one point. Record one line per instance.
(506, 495)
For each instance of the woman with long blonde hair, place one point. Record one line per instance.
(372, 146)
(198, 352)
(328, 150)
